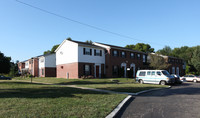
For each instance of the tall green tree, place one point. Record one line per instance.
(4, 63)
(165, 51)
(141, 47)
(52, 50)
(158, 62)
(195, 60)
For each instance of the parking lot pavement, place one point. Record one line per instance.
(181, 101)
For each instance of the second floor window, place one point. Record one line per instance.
(138, 56)
(132, 55)
(87, 51)
(123, 54)
(97, 52)
(144, 58)
(115, 53)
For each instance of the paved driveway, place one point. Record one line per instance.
(182, 101)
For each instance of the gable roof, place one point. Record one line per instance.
(79, 43)
(120, 48)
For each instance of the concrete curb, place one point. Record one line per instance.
(118, 108)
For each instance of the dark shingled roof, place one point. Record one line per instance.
(123, 48)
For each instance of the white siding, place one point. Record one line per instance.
(27, 64)
(90, 58)
(41, 64)
(50, 60)
(67, 53)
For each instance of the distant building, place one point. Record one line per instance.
(40, 66)
(177, 65)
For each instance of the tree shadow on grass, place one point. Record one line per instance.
(42, 91)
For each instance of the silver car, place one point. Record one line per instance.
(191, 78)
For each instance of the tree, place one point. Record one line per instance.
(14, 69)
(158, 62)
(165, 51)
(4, 63)
(141, 47)
(89, 41)
(52, 50)
(195, 60)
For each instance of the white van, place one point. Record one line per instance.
(154, 77)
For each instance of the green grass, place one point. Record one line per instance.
(77, 81)
(132, 88)
(22, 100)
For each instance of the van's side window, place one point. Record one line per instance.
(158, 73)
(149, 73)
(142, 74)
(153, 73)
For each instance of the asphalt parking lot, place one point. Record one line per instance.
(180, 101)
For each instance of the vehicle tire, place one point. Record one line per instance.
(141, 81)
(162, 83)
(195, 80)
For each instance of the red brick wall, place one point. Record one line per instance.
(81, 68)
(35, 67)
(63, 69)
(117, 61)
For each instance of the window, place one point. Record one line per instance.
(42, 60)
(158, 73)
(153, 73)
(144, 58)
(173, 70)
(165, 73)
(26, 63)
(132, 55)
(115, 70)
(97, 52)
(149, 73)
(142, 73)
(87, 51)
(19, 64)
(115, 53)
(123, 54)
(87, 69)
(138, 56)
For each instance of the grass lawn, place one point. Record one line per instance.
(22, 100)
(127, 84)
(54, 80)
(132, 88)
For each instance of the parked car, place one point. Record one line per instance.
(4, 78)
(177, 79)
(154, 77)
(191, 78)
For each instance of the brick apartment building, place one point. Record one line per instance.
(40, 66)
(75, 59)
(117, 58)
(177, 65)
(47, 65)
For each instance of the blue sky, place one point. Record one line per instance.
(26, 32)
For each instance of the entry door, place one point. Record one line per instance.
(97, 71)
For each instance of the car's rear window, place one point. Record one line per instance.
(142, 73)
